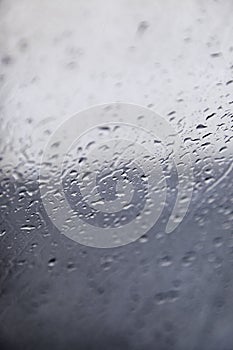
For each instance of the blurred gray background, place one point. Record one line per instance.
(163, 291)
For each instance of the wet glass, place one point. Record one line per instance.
(116, 175)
